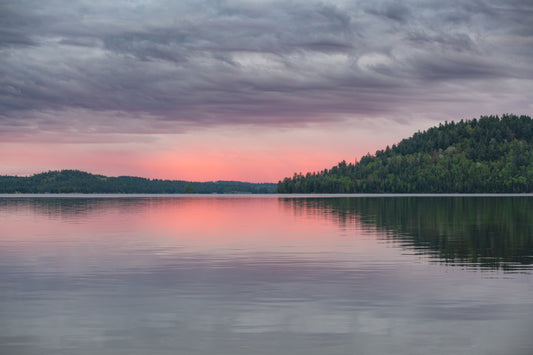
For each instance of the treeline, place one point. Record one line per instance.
(486, 155)
(75, 181)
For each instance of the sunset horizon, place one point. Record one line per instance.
(247, 90)
(209, 166)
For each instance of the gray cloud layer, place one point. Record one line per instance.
(166, 65)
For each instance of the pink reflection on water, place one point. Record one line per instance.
(164, 227)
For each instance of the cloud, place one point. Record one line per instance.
(165, 66)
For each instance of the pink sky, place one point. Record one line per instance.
(244, 154)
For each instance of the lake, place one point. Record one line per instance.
(266, 275)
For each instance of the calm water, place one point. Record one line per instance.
(266, 275)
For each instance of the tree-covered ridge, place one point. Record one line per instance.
(75, 181)
(490, 154)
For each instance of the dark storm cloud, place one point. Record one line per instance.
(395, 11)
(167, 66)
(15, 28)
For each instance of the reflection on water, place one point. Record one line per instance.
(70, 208)
(489, 232)
(262, 275)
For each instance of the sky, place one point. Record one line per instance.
(247, 90)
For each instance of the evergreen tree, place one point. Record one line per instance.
(189, 189)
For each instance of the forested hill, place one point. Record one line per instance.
(75, 181)
(489, 154)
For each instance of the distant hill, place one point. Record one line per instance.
(485, 155)
(75, 181)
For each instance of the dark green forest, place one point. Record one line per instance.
(75, 181)
(485, 155)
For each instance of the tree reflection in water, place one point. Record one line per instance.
(482, 232)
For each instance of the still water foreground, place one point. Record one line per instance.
(266, 275)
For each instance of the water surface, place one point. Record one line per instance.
(266, 274)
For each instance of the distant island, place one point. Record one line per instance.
(75, 181)
(485, 155)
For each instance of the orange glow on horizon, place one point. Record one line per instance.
(204, 164)
(252, 155)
